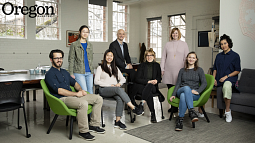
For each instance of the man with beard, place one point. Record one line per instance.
(58, 81)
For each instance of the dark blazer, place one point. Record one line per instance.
(119, 59)
(142, 71)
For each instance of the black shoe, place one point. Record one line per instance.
(193, 115)
(179, 124)
(96, 129)
(153, 117)
(120, 125)
(140, 106)
(161, 98)
(87, 136)
(138, 111)
(175, 109)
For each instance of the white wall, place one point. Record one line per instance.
(229, 24)
(75, 13)
(199, 15)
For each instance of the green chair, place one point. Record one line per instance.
(200, 102)
(59, 108)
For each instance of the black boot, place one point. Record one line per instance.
(153, 117)
(193, 115)
(179, 124)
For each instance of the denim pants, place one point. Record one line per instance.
(85, 81)
(186, 99)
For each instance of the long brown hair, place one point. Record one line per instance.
(187, 63)
(105, 68)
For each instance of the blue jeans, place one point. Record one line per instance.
(85, 81)
(186, 99)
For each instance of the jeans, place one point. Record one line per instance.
(186, 99)
(85, 81)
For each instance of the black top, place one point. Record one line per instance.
(119, 59)
(55, 79)
(150, 70)
(142, 73)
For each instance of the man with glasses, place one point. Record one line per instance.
(58, 81)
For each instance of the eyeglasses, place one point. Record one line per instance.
(58, 58)
(149, 56)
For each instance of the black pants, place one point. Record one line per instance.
(175, 108)
(147, 92)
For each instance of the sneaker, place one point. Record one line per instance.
(120, 125)
(87, 136)
(228, 116)
(200, 115)
(138, 111)
(153, 117)
(192, 114)
(96, 129)
(179, 124)
(140, 106)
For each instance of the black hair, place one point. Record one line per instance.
(83, 26)
(228, 39)
(56, 51)
(106, 69)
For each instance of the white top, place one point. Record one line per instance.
(103, 79)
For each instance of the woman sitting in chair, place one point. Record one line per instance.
(146, 82)
(187, 88)
(110, 79)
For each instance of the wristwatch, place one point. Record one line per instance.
(228, 75)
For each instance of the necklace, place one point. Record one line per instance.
(176, 49)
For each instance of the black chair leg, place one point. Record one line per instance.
(25, 118)
(52, 123)
(19, 127)
(221, 113)
(130, 113)
(193, 124)
(67, 120)
(202, 108)
(162, 117)
(102, 118)
(71, 128)
(27, 96)
(171, 115)
(34, 95)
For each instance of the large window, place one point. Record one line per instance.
(155, 35)
(48, 26)
(11, 25)
(97, 23)
(120, 19)
(179, 22)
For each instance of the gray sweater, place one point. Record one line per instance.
(192, 79)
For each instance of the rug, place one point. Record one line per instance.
(217, 131)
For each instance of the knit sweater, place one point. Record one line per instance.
(103, 79)
(192, 79)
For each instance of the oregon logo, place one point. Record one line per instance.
(32, 10)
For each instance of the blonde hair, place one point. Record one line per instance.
(147, 52)
(179, 33)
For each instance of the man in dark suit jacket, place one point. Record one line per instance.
(122, 58)
(121, 55)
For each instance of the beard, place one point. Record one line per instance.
(57, 66)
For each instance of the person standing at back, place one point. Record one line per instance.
(173, 59)
(80, 60)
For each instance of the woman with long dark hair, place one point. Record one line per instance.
(110, 80)
(80, 60)
(187, 88)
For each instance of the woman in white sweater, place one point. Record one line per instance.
(110, 80)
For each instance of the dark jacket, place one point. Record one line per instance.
(119, 59)
(141, 74)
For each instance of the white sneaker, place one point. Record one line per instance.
(200, 115)
(228, 116)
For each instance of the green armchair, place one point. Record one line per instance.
(59, 108)
(200, 102)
